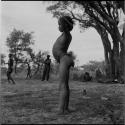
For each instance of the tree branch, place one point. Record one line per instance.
(105, 16)
(74, 17)
(97, 19)
(103, 9)
(108, 7)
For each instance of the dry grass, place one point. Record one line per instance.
(36, 102)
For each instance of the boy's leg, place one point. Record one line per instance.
(62, 86)
(64, 66)
(68, 92)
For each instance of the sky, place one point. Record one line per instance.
(32, 16)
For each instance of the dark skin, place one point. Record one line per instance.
(65, 61)
(10, 69)
(46, 69)
(28, 71)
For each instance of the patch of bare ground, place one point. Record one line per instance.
(36, 102)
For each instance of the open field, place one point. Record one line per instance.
(35, 101)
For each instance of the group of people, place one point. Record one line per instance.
(46, 69)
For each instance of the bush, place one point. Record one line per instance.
(76, 75)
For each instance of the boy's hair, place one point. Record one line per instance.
(67, 22)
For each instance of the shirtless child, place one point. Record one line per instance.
(65, 61)
(10, 69)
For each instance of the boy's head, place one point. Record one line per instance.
(65, 23)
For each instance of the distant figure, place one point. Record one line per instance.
(98, 74)
(46, 69)
(87, 77)
(84, 92)
(28, 71)
(10, 69)
(65, 60)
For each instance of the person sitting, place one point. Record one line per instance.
(87, 77)
(98, 74)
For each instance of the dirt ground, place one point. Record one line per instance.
(36, 102)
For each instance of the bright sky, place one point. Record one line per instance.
(32, 16)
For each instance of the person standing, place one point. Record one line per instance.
(10, 69)
(46, 69)
(65, 60)
(28, 71)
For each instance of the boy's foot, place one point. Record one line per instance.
(66, 111)
(69, 110)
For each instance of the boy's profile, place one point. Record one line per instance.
(65, 61)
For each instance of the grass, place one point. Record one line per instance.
(36, 102)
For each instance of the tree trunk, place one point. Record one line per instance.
(121, 59)
(120, 62)
(123, 49)
(123, 54)
(107, 59)
(112, 62)
(107, 50)
(123, 76)
(116, 57)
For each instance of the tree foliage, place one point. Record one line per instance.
(103, 16)
(38, 60)
(19, 44)
(91, 66)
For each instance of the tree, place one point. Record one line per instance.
(18, 42)
(108, 11)
(85, 21)
(97, 14)
(38, 60)
(93, 65)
